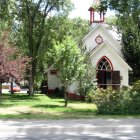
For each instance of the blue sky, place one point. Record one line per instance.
(81, 9)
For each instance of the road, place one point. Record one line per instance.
(92, 129)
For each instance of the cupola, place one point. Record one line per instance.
(97, 11)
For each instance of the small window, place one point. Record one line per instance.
(53, 72)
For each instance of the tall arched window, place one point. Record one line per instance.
(104, 64)
(106, 76)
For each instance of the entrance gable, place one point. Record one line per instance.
(100, 48)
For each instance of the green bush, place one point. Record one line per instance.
(134, 104)
(105, 99)
(108, 101)
(136, 86)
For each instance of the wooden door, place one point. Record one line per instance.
(101, 79)
(115, 79)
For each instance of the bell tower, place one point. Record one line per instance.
(97, 12)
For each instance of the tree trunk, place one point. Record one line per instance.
(32, 73)
(11, 88)
(0, 91)
(33, 49)
(31, 83)
(66, 95)
(66, 99)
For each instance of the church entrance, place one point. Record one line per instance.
(106, 77)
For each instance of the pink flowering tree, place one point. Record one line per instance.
(12, 65)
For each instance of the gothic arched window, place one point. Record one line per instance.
(104, 64)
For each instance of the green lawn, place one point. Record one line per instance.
(43, 107)
(40, 106)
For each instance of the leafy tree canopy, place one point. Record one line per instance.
(31, 17)
(128, 21)
(68, 61)
(12, 63)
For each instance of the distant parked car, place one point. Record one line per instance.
(16, 88)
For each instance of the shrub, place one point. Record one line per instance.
(136, 86)
(108, 101)
(105, 99)
(134, 104)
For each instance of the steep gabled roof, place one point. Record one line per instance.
(98, 47)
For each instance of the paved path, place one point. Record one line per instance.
(93, 129)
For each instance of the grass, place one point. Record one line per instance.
(40, 106)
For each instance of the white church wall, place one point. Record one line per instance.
(90, 41)
(73, 88)
(53, 81)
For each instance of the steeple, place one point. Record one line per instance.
(97, 12)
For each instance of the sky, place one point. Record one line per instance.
(81, 9)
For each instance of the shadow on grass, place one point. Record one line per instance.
(11, 100)
(54, 97)
(66, 110)
(4, 105)
(48, 106)
(16, 97)
(62, 115)
(61, 99)
(79, 110)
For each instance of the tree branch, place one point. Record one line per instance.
(27, 9)
(30, 24)
(43, 24)
(37, 7)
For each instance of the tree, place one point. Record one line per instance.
(12, 63)
(131, 47)
(87, 79)
(4, 9)
(128, 12)
(57, 28)
(100, 6)
(64, 26)
(111, 21)
(69, 63)
(60, 26)
(32, 16)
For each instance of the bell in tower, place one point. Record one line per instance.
(97, 11)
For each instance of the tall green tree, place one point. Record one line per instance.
(69, 63)
(6, 17)
(128, 13)
(57, 28)
(87, 77)
(31, 16)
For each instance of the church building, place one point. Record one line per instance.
(106, 56)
